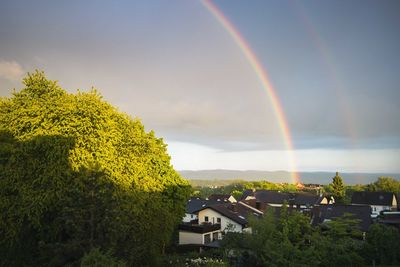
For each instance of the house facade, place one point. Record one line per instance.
(211, 215)
(215, 220)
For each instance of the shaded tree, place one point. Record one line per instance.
(382, 245)
(273, 241)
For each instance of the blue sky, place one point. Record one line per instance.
(335, 66)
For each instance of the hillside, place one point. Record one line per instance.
(283, 176)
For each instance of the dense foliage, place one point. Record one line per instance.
(385, 184)
(290, 240)
(236, 187)
(76, 174)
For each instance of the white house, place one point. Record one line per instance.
(378, 201)
(214, 220)
(232, 217)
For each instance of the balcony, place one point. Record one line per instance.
(199, 228)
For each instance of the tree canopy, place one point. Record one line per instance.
(385, 184)
(77, 174)
(338, 188)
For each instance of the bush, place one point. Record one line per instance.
(95, 258)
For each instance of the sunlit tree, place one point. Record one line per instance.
(77, 174)
(338, 188)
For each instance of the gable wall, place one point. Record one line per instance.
(212, 218)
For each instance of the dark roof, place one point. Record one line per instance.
(237, 212)
(195, 203)
(271, 196)
(372, 198)
(219, 197)
(261, 206)
(390, 218)
(398, 201)
(247, 193)
(305, 199)
(277, 197)
(199, 228)
(328, 212)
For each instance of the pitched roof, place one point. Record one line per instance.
(271, 196)
(390, 218)
(237, 212)
(277, 197)
(220, 197)
(372, 198)
(195, 203)
(329, 199)
(328, 212)
(246, 193)
(305, 199)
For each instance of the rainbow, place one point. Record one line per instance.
(328, 61)
(264, 80)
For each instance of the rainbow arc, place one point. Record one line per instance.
(264, 80)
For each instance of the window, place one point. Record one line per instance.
(218, 220)
(207, 238)
(206, 218)
(191, 216)
(215, 236)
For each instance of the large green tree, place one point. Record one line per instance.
(77, 174)
(338, 188)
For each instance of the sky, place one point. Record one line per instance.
(334, 66)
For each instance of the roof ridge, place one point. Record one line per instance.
(250, 207)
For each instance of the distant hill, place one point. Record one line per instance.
(283, 176)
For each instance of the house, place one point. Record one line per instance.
(378, 201)
(261, 199)
(325, 213)
(222, 198)
(232, 217)
(215, 220)
(247, 193)
(193, 205)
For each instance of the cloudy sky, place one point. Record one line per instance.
(335, 66)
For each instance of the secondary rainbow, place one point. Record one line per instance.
(264, 80)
